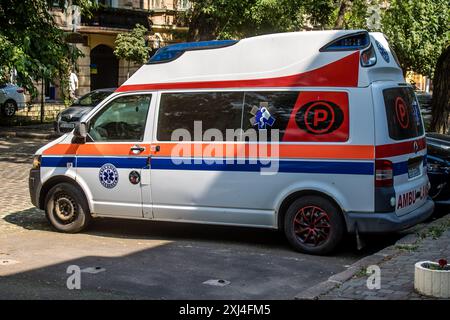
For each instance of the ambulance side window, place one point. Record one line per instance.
(123, 119)
(278, 107)
(179, 112)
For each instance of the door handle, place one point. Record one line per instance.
(136, 149)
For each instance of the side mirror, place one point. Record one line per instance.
(80, 133)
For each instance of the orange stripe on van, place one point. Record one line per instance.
(357, 152)
(62, 149)
(95, 149)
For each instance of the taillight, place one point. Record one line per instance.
(368, 57)
(384, 173)
(20, 90)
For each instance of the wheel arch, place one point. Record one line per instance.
(10, 99)
(50, 183)
(290, 198)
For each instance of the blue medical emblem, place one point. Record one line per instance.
(108, 175)
(262, 117)
(382, 51)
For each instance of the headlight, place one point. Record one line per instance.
(36, 162)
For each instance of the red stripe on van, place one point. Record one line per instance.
(397, 149)
(341, 73)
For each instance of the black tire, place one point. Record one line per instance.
(66, 208)
(319, 235)
(9, 108)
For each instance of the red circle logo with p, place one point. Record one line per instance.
(401, 112)
(319, 117)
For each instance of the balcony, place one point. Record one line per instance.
(108, 17)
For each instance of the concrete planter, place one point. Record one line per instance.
(430, 282)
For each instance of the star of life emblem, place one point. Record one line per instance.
(108, 175)
(261, 116)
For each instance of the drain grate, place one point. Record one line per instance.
(217, 282)
(93, 270)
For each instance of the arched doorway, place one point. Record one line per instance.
(104, 68)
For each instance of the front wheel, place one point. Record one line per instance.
(9, 108)
(314, 225)
(66, 208)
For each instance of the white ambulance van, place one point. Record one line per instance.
(312, 133)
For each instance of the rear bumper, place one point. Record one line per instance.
(389, 221)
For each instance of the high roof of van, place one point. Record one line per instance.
(334, 58)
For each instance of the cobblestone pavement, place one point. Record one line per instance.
(15, 161)
(397, 273)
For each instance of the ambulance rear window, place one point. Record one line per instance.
(403, 113)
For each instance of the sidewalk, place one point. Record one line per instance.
(37, 131)
(397, 268)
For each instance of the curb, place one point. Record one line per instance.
(31, 135)
(385, 254)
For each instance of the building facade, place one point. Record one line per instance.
(95, 36)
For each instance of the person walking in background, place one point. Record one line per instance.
(73, 84)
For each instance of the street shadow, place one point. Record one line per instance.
(34, 219)
(19, 150)
(165, 271)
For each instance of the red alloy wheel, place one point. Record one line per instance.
(312, 225)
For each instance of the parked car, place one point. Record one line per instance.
(66, 120)
(438, 166)
(12, 98)
(424, 99)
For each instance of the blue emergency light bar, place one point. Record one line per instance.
(172, 52)
(356, 41)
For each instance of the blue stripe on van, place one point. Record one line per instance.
(56, 161)
(327, 167)
(400, 168)
(299, 166)
(118, 162)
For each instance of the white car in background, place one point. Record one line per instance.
(12, 98)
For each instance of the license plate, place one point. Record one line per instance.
(67, 125)
(413, 171)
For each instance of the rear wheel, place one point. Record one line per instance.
(9, 108)
(313, 225)
(66, 208)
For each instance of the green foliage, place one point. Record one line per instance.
(32, 44)
(131, 46)
(418, 30)
(213, 19)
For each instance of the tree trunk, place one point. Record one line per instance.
(202, 26)
(343, 8)
(440, 103)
